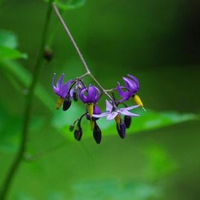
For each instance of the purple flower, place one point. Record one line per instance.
(61, 89)
(111, 112)
(131, 86)
(92, 96)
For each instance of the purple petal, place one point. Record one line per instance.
(91, 94)
(82, 96)
(112, 115)
(131, 85)
(98, 94)
(64, 89)
(59, 83)
(130, 107)
(108, 106)
(126, 112)
(100, 115)
(97, 110)
(135, 79)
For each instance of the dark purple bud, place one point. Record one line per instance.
(67, 103)
(97, 133)
(75, 95)
(127, 121)
(121, 129)
(78, 132)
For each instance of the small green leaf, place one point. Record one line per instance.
(8, 45)
(69, 4)
(8, 53)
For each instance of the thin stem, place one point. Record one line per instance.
(27, 111)
(70, 37)
(78, 51)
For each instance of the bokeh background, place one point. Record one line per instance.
(158, 42)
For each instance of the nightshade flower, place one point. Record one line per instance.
(90, 96)
(132, 87)
(111, 112)
(61, 89)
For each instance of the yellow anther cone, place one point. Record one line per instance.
(117, 119)
(59, 103)
(92, 125)
(90, 109)
(138, 101)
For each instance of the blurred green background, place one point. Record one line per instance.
(158, 42)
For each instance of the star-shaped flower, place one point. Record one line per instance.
(61, 89)
(112, 112)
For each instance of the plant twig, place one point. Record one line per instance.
(27, 111)
(88, 72)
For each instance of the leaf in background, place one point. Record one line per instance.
(8, 45)
(159, 162)
(7, 53)
(115, 190)
(69, 4)
(147, 121)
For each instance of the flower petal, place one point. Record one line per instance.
(112, 115)
(59, 83)
(108, 106)
(126, 112)
(82, 96)
(135, 79)
(100, 115)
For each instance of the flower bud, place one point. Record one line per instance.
(67, 103)
(75, 96)
(97, 133)
(78, 132)
(127, 121)
(121, 129)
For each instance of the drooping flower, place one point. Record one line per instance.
(111, 112)
(61, 89)
(90, 96)
(132, 87)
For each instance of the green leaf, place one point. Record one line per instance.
(115, 190)
(149, 120)
(8, 45)
(69, 4)
(7, 53)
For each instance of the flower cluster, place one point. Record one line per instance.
(116, 109)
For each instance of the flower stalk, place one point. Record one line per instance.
(27, 111)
